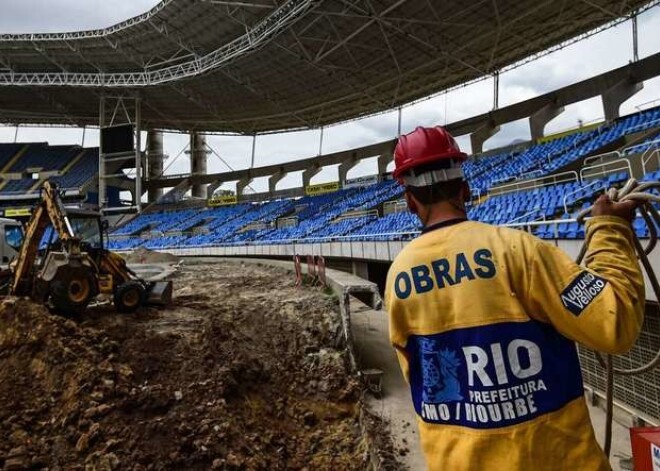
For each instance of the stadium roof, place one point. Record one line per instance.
(263, 65)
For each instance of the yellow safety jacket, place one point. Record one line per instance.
(484, 320)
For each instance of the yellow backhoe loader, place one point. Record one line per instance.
(71, 266)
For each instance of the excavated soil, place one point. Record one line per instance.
(243, 372)
(142, 255)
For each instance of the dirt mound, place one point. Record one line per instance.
(54, 378)
(243, 372)
(142, 255)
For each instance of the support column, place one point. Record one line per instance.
(541, 118)
(275, 179)
(242, 184)
(198, 153)
(154, 163)
(384, 160)
(615, 96)
(346, 166)
(309, 174)
(481, 135)
(210, 189)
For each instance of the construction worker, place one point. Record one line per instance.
(484, 321)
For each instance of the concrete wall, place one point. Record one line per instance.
(357, 251)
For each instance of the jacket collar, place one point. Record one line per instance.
(440, 225)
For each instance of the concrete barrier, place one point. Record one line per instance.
(381, 251)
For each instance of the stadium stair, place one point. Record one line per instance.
(67, 168)
(9, 152)
(12, 161)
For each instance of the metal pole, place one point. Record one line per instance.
(16, 134)
(138, 156)
(496, 91)
(83, 136)
(635, 37)
(101, 196)
(254, 146)
(321, 141)
(398, 128)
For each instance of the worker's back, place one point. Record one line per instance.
(493, 382)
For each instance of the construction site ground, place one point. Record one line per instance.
(244, 371)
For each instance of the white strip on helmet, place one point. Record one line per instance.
(433, 176)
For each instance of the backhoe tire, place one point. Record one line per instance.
(129, 297)
(71, 294)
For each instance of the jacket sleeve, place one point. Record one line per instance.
(397, 324)
(601, 306)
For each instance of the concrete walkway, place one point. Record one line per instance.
(620, 438)
(373, 350)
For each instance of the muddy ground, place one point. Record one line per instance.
(243, 372)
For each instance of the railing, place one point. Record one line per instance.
(575, 192)
(478, 193)
(358, 214)
(537, 183)
(502, 180)
(346, 238)
(627, 166)
(627, 150)
(533, 211)
(528, 175)
(600, 157)
(291, 221)
(529, 225)
(391, 207)
(646, 158)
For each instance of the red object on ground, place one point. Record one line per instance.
(320, 269)
(296, 262)
(311, 267)
(645, 443)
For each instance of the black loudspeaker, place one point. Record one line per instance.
(115, 139)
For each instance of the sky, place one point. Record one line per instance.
(605, 51)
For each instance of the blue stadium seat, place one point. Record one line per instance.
(350, 214)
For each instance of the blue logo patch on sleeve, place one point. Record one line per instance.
(492, 376)
(582, 291)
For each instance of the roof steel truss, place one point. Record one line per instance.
(256, 66)
(279, 20)
(89, 34)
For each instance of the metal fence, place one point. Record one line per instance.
(639, 392)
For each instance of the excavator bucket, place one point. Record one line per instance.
(159, 293)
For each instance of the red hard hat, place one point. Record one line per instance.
(424, 146)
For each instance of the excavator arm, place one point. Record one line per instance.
(50, 209)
